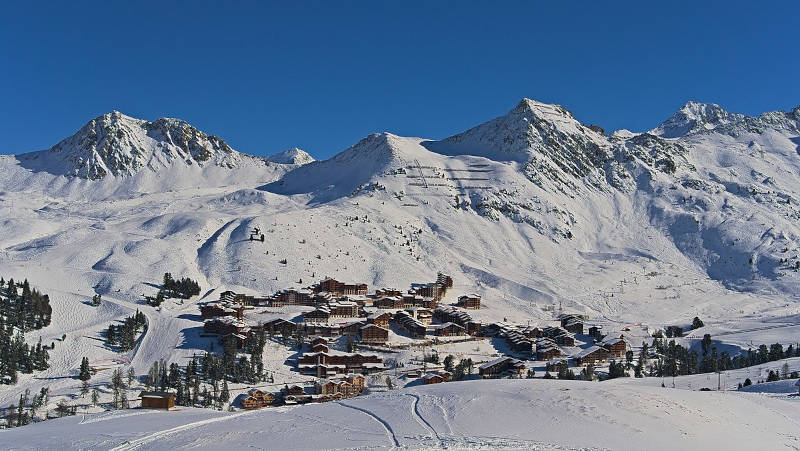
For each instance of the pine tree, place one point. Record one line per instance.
(225, 395)
(84, 389)
(95, 396)
(131, 376)
(85, 373)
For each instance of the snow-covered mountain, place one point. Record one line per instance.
(291, 156)
(119, 145)
(531, 210)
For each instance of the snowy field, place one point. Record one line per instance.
(505, 414)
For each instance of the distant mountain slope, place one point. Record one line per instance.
(291, 156)
(119, 145)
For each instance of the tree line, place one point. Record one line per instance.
(124, 335)
(22, 309)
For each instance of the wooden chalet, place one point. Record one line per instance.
(157, 400)
(616, 346)
(216, 309)
(470, 301)
(257, 399)
(318, 315)
(324, 364)
(591, 356)
(279, 326)
(547, 349)
(596, 332)
(503, 366)
(444, 280)
(388, 292)
(225, 325)
(411, 326)
(353, 328)
(343, 309)
(572, 324)
(449, 330)
(436, 377)
(339, 288)
(389, 302)
(380, 319)
(372, 333)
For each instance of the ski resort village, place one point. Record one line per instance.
(530, 283)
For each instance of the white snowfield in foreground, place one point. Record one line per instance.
(504, 414)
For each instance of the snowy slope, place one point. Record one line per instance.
(291, 156)
(506, 414)
(531, 210)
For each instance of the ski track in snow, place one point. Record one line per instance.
(389, 431)
(152, 437)
(421, 419)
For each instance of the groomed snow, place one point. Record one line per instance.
(505, 414)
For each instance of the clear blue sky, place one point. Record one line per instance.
(321, 75)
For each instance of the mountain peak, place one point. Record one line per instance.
(694, 117)
(295, 155)
(120, 145)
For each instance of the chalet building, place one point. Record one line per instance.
(591, 356)
(225, 325)
(374, 334)
(318, 341)
(339, 288)
(436, 377)
(596, 332)
(559, 335)
(389, 302)
(471, 301)
(240, 340)
(343, 309)
(157, 400)
(388, 292)
(221, 308)
(295, 390)
(256, 399)
(357, 380)
(319, 347)
(444, 280)
(352, 328)
(573, 325)
(564, 340)
(321, 329)
(473, 328)
(428, 290)
(446, 313)
(324, 364)
(412, 327)
(318, 315)
(421, 314)
(449, 330)
(238, 298)
(292, 297)
(280, 327)
(616, 347)
(492, 330)
(501, 367)
(380, 319)
(347, 387)
(530, 331)
(518, 343)
(547, 349)
(360, 300)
